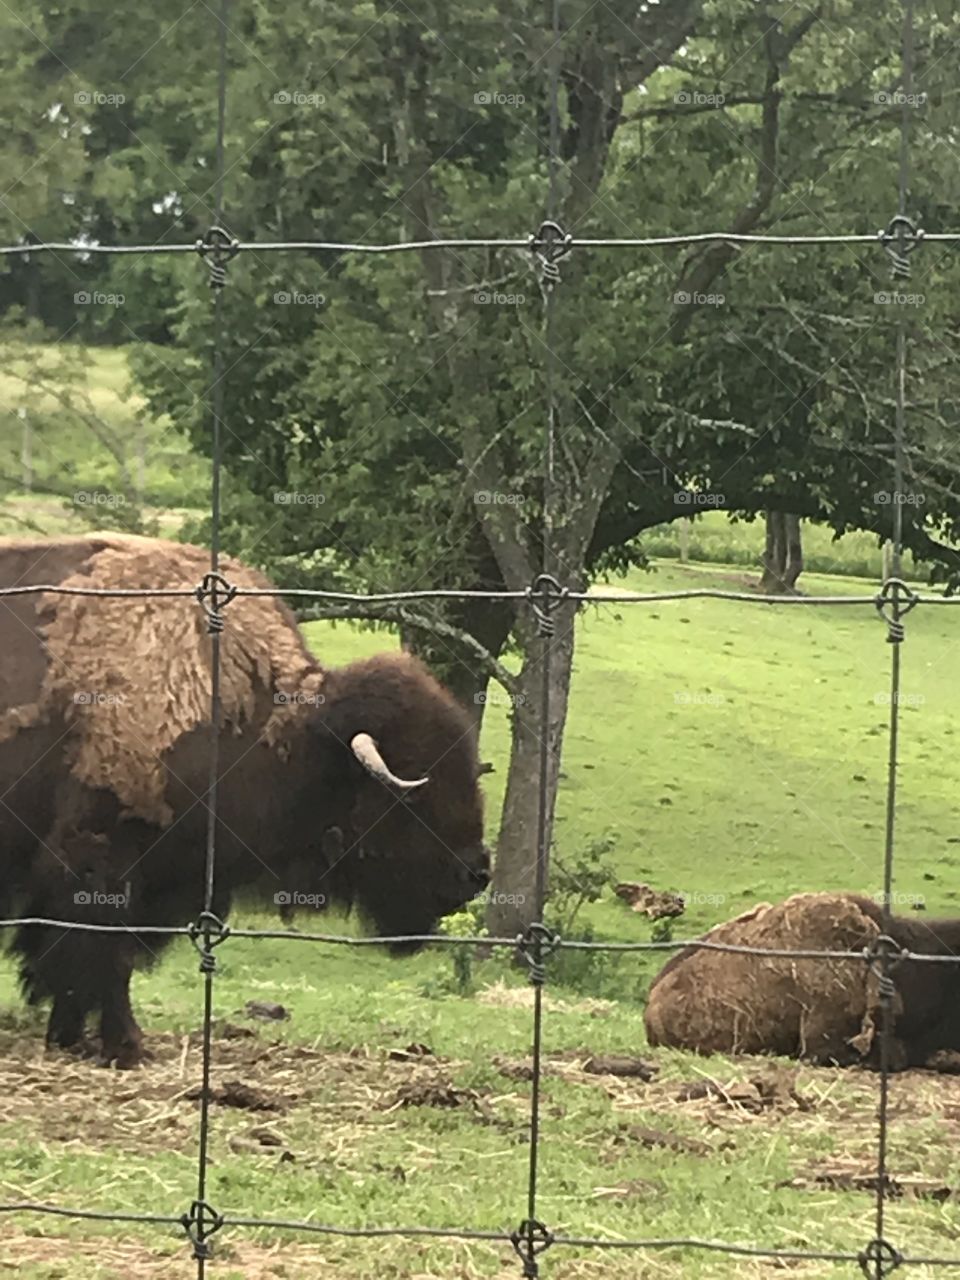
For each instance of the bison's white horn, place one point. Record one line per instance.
(368, 753)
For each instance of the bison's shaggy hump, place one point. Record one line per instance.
(723, 1002)
(132, 675)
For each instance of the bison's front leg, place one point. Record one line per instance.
(68, 1016)
(121, 1040)
(54, 966)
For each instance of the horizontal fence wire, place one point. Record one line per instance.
(404, 597)
(416, 246)
(467, 1234)
(440, 940)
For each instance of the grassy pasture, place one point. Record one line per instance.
(67, 458)
(734, 752)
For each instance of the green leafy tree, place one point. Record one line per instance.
(392, 397)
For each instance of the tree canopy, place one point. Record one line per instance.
(385, 414)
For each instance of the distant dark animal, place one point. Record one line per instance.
(104, 749)
(826, 1011)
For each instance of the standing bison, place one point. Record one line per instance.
(355, 786)
(827, 1011)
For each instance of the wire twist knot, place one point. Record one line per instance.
(893, 602)
(530, 1239)
(883, 955)
(207, 932)
(219, 592)
(899, 240)
(879, 1259)
(548, 246)
(216, 249)
(200, 1224)
(535, 946)
(545, 597)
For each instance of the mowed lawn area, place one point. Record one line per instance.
(56, 469)
(733, 752)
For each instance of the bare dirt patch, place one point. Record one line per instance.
(62, 1098)
(109, 1258)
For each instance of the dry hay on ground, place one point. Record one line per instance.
(506, 997)
(53, 1258)
(258, 1086)
(338, 1096)
(723, 1002)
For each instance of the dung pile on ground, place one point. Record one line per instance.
(726, 1002)
(655, 903)
(775, 1091)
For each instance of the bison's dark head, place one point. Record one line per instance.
(403, 812)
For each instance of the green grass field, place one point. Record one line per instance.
(714, 538)
(735, 752)
(73, 469)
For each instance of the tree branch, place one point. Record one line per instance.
(705, 268)
(403, 616)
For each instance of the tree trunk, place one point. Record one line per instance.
(686, 524)
(794, 564)
(26, 451)
(783, 554)
(512, 904)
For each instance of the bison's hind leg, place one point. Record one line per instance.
(121, 1040)
(66, 1026)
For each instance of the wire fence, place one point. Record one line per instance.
(201, 1221)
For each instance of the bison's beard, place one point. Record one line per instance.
(399, 950)
(386, 917)
(392, 908)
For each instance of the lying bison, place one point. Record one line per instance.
(355, 786)
(827, 1011)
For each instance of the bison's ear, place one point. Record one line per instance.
(331, 842)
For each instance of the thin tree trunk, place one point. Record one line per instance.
(794, 552)
(686, 525)
(774, 555)
(783, 554)
(512, 905)
(26, 452)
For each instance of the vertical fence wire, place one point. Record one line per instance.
(535, 1236)
(885, 1257)
(205, 1221)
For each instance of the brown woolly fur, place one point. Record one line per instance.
(105, 715)
(722, 1002)
(825, 1010)
(154, 654)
